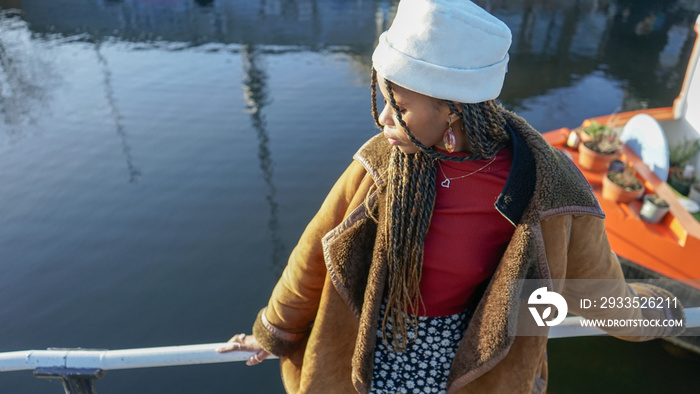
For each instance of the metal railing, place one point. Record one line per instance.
(79, 368)
(106, 360)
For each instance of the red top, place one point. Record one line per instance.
(467, 235)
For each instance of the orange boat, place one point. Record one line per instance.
(671, 248)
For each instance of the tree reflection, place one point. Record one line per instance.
(24, 75)
(256, 96)
(134, 172)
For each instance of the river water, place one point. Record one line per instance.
(160, 158)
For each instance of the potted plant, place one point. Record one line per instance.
(681, 174)
(680, 178)
(591, 131)
(654, 208)
(596, 154)
(622, 186)
(695, 192)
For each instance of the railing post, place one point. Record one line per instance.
(75, 380)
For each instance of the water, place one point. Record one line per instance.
(159, 160)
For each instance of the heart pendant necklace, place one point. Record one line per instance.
(446, 182)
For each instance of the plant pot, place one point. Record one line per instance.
(614, 192)
(592, 160)
(681, 185)
(694, 193)
(653, 211)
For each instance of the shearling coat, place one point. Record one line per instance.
(322, 317)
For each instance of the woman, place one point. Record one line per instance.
(410, 277)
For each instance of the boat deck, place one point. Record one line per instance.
(671, 247)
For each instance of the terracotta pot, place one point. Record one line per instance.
(652, 212)
(592, 160)
(615, 192)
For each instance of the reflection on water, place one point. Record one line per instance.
(256, 96)
(556, 44)
(309, 23)
(134, 172)
(26, 75)
(178, 252)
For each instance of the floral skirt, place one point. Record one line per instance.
(424, 366)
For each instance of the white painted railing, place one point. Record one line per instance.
(206, 353)
(571, 326)
(118, 359)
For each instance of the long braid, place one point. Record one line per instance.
(373, 86)
(410, 206)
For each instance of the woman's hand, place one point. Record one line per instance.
(246, 343)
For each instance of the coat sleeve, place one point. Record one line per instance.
(593, 271)
(283, 325)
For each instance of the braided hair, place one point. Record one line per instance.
(411, 197)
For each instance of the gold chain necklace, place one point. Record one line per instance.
(446, 182)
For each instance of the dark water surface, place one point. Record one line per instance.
(160, 158)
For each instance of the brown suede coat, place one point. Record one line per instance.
(322, 316)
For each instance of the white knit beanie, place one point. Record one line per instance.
(446, 49)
